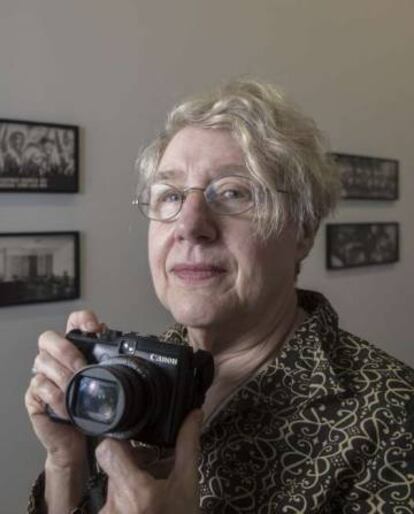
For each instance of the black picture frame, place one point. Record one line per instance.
(367, 178)
(351, 245)
(38, 267)
(38, 157)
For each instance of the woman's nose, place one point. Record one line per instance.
(196, 222)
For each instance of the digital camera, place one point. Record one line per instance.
(135, 387)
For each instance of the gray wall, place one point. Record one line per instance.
(114, 68)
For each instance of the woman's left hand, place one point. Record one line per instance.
(131, 490)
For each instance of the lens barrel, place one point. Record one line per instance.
(118, 397)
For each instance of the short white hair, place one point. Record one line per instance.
(284, 151)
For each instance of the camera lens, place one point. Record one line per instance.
(97, 400)
(119, 397)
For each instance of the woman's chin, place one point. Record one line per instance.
(202, 308)
(195, 316)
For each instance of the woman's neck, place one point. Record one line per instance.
(235, 361)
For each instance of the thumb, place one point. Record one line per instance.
(116, 458)
(187, 448)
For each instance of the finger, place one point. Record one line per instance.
(85, 320)
(62, 350)
(43, 392)
(34, 405)
(187, 448)
(116, 458)
(55, 371)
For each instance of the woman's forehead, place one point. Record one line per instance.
(210, 151)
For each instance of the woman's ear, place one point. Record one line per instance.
(304, 244)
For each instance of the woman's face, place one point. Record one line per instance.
(210, 270)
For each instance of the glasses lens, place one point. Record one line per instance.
(231, 195)
(160, 202)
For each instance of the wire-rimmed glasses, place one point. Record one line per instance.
(227, 195)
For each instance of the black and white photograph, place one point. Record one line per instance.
(38, 267)
(350, 245)
(367, 178)
(38, 157)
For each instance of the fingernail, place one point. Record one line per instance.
(78, 364)
(101, 452)
(90, 326)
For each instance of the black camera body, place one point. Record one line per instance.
(136, 387)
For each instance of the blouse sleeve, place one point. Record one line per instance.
(92, 501)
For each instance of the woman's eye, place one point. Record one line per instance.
(162, 195)
(234, 194)
(170, 197)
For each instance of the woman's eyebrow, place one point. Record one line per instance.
(232, 169)
(168, 175)
(226, 169)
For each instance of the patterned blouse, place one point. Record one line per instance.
(325, 427)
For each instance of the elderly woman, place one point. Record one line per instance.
(301, 416)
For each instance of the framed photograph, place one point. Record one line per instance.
(38, 157)
(367, 178)
(38, 267)
(361, 244)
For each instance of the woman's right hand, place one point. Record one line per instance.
(57, 360)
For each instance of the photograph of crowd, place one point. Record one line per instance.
(367, 178)
(38, 157)
(38, 267)
(361, 244)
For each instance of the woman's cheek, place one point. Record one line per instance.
(159, 249)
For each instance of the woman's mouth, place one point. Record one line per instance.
(194, 273)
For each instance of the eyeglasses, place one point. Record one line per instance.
(229, 195)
